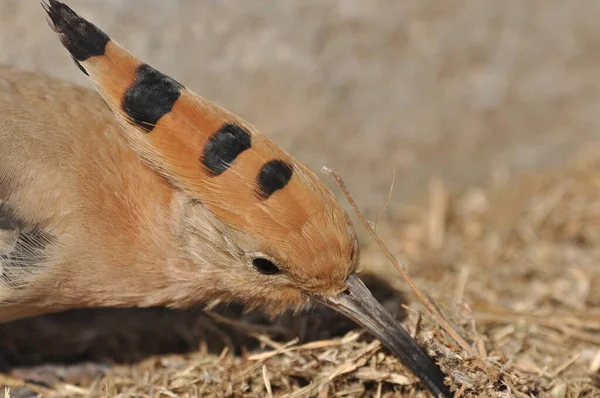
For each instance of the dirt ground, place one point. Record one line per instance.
(488, 112)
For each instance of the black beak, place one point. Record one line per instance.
(358, 304)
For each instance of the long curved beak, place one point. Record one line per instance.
(358, 304)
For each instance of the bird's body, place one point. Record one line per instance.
(86, 222)
(163, 198)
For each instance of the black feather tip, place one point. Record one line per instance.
(81, 38)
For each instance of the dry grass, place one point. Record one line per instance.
(514, 266)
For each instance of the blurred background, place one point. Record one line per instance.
(462, 90)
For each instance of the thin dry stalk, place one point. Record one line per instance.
(320, 344)
(424, 298)
(358, 360)
(388, 200)
(262, 360)
(595, 363)
(564, 366)
(9, 381)
(461, 284)
(438, 212)
(267, 341)
(267, 381)
(248, 327)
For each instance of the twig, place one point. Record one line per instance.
(461, 284)
(378, 393)
(10, 381)
(427, 302)
(387, 202)
(564, 366)
(267, 381)
(262, 360)
(320, 344)
(350, 365)
(267, 341)
(247, 327)
(438, 209)
(595, 363)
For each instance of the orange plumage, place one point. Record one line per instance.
(170, 200)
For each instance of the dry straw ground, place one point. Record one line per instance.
(513, 265)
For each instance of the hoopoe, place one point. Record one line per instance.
(167, 200)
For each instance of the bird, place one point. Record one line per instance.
(150, 195)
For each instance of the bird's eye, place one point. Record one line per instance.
(265, 266)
